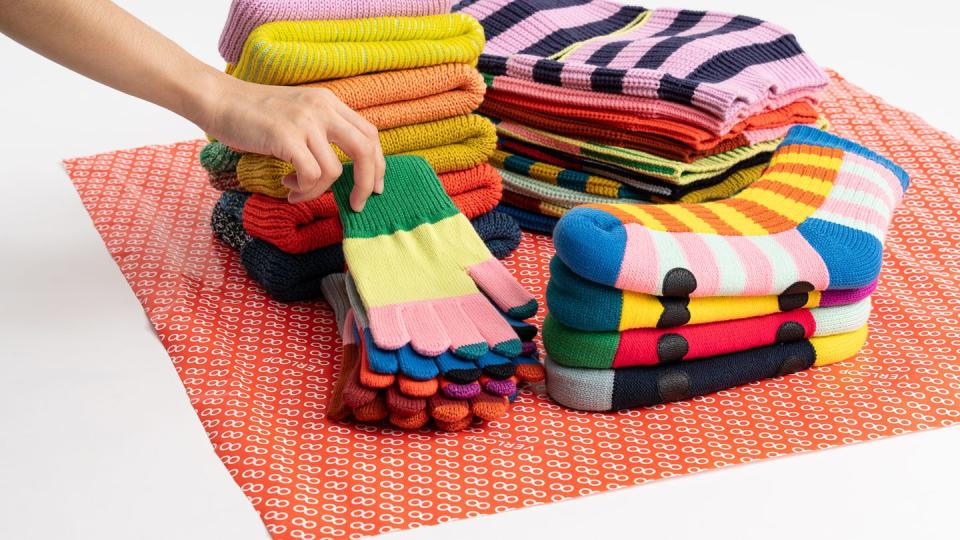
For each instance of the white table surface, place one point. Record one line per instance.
(98, 440)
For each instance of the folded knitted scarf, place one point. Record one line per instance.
(615, 389)
(559, 176)
(650, 346)
(245, 15)
(527, 220)
(534, 206)
(663, 138)
(410, 96)
(297, 52)
(557, 196)
(453, 144)
(532, 160)
(672, 171)
(291, 277)
(303, 227)
(722, 64)
(584, 305)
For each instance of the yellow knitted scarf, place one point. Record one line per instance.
(297, 52)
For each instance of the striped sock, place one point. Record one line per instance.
(615, 389)
(650, 346)
(816, 220)
(585, 305)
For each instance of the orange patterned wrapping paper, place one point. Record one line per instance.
(258, 372)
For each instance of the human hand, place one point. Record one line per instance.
(296, 125)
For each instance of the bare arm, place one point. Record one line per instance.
(99, 40)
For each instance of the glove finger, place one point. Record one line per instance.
(387, 326)
(529, 369)
(457, 370)
(465, 340)
(415, 365)
(459, 391)
(414, 388)
(496, 366)
(501, 287)
(368, 377)
(444, 409)
(414, 421)
(488, 406)
(492, 326)
(427, 333)
(384, 362)
(401, 405)
(502, 387)
(374, 411)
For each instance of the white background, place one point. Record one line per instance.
(98, 440)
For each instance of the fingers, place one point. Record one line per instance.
(310, 186)
(363, 153)
(373, 137)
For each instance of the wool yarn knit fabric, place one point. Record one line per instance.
(592, 307)
(430, 295)
(245, 15)
(296, 277)
(527, 220)
(816, 219)
(650, 346)
(682, 131)
(720, 185)
(615, 389)
(452, 144)
(672, 171)
(677, 141)
(726, 65)
(303, 227)
(298, 52)
(410, 96)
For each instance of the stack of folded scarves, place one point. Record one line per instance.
(656, 303)
(431, 323)
(406, 66)
(596, 102)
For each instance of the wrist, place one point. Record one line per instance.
(202, 94)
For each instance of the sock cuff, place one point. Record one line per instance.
(818, 137)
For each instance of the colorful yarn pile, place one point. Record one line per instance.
(408, 68)
(656, 303)
(596, 102)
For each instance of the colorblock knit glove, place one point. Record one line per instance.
(420, 269)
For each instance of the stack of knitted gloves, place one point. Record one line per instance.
(432, 324)
(407, 67)
(657, 303)
(596, 102)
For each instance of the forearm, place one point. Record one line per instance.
(99, 40)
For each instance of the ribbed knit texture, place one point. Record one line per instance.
(664, 138)
(672, 171)
(296, 277)
(499, 232)
(559, 176)
(528, 220)
(615, 389)
(245, 15)
(816, 220)
(585, 305)
(719, 63)
(303, 227)
(453, 144)
(410, 96)
(649, 346)
(418, 265)
(728, 181)
(297, 52)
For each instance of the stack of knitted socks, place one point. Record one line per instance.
(432, 325)
(407, 67)
(657, 303)
(596, 102)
